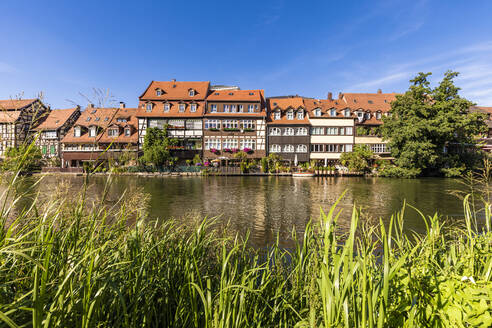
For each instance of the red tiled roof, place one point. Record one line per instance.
(56, 118)
(158, 109)
(284, 104)
(100, 117)
(9, 116)
(132, 122)
(15, 104)
(176, 90)
(482, 109)
(368, 101)
(236, 95)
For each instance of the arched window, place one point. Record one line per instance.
(275, 149)
(288, 148)
(275, 131)
(289, 132)
(301, 149)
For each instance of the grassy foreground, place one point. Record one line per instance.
(75, 263)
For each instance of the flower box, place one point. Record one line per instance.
(247, 150)
(230, 129)
(248, 130)
(213, 129)
(234, 150)
(227, 150)
(213, 150)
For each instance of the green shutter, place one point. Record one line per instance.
(44, 150)
(52, 149)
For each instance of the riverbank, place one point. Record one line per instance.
(72, 264)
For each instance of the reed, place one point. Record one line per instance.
(77, 263)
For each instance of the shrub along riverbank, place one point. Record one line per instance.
(76, 263)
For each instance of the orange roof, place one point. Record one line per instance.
(9, 116)
(326, 105)
(14, 104)
(158, 110)
(482, 109)
(128, 114)
(56, 118)
(236, 95)
(368, 101)
(174, 90)
(100, 117)
(284, 104)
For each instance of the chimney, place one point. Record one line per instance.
(330, 96)
(122, 104)
(90, 105)
(340, 95)
(380, 91)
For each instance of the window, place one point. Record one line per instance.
(230, 124)
(44, 149)
(167, 107)
(182, 108)
(148, 107)
(349, 130)
(333, 112)
(317, 112)
(50, 134)
(113, 132)
(276, 115)
(176, 124)
(290, 115)
(331, 148)
(248, 143)
(346, 112)
(241, 108)
(300, 115)
(156, 123)
(332, 131)
(233, 108)
(193, 124)
(368, 116)
(191, 93)
(379, 148)
(159, 92)
(77, 131)
(212, 124)
(88, 119)
(212, 144)
(251, 108)
(348, 148)
(248, 124)
(288, 148)
(316, 148)
(127, 132)
(230, 143)
(52, 149)
(119, 119)
(301, 132)
(213, 108)
(275, 131)
(226, 108)
(275, 148)
(378, 115)
(92, 131)
(317, 131)
(288, 132)
(301, 149)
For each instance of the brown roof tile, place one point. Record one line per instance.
(236, 95)
(56, 118)
(158, 109)
(9, 116)
(176, 90)
(284, 104)
(15, 104)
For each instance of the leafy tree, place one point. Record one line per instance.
(24, 158)
(357, 160)
(431, 129)
(156, 147)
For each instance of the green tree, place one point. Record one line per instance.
(357, 160)
(156, 147)
(430, 130)
(24, 158)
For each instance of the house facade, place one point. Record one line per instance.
(53, 129)
(18, 118)
(234, 120)
(486, 138)
(288, 129)
(101, 134)
(332, 130)
(180, 105)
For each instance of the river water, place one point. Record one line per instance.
(267, 206)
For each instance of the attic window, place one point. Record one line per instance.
(230, 93)
(274, 104)
(127, 132)
(93, 111)
(217, 93)
(167, 107)
(182, 107)
(369, 101)
(251, 93)
(106, 119)
(355, 101)
(88, 119)
(317, 112)
(191, 93)
(159, 92)
(333, 112)
(148, 107)
(385, 101)
(97, 119)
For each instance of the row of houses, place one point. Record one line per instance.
(212, 121)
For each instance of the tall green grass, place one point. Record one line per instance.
(77, 263)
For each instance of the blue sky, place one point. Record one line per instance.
(66, 48)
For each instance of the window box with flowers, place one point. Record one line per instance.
(214, 150)
(227, 150)
(247, 150)
(234, 150)
(231, 129)
(213, 129)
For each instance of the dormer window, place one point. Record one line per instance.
(158, 92)
(290, 115)
(317, 112)
(346, 112)
(167, 107)
(333, 112)
(182, 108)
(276, 115)
(88, 119)
(193, 108)
(251, 93)
(77, 131)
(300, 115)
(378, 115)
(191, 93)
(92, 131)
(113, 132)
(127, 132)
(148, 107)
(368, 115)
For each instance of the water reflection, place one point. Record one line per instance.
(269, 205)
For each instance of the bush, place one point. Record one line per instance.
(399, 172)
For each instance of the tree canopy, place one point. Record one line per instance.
(156, 147)
(358, 160)
(430, 130)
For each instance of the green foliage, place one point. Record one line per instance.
(156, 147)
(431, 128)
(24, 158)
(197, 159)
(274, 162)
(264, 165)
(358, 160)
(391, 171)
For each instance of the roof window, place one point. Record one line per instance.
(88, 119)
(251, 93)
(274, 104)
(370, 101)
(217, 93)
(230, 93)
(97, 119)
(93, 111)
(106, 119)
